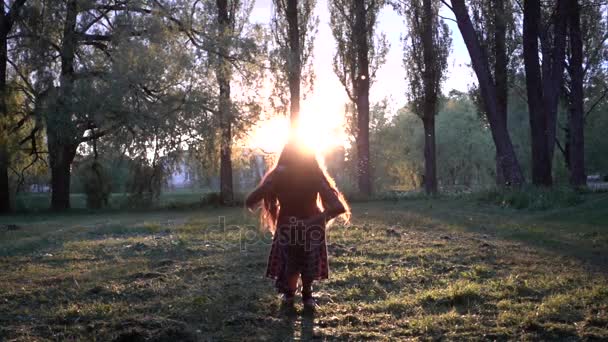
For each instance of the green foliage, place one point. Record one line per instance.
(464, 148)
(426, 62)
(346, 62)
(145, 183)
(97, 184)
(282, 63)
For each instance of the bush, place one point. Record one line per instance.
(145, 184)
(532, 197)
(211, 199)
(96, 184)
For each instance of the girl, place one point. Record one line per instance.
(299, 199)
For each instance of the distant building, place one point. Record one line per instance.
(181, 178)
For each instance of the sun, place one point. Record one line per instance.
(313, 133)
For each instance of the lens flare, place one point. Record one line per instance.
(311, 132)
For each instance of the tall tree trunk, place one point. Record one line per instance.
(500, 72)
(543, 85)
(541, 165)
(7, 18)
(362, 97)
(430, 165)
(430, 98)
(62, 134)
(553, 74)
(5, 199)
(576, 121)
(507, 158)
(61, 157)
(294, 63)
(225, 105)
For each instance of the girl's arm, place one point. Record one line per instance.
(331, 204)
(257, 195)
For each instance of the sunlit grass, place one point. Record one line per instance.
(414, 269)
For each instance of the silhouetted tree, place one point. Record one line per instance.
(489, 94)
(359, 54)
(427, 48)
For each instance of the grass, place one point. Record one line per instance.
(451, 268)
(40, 202)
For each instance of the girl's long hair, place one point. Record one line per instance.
(303, 166)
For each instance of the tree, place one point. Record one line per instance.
(585, 84)
(219, 33)
(359, 54)
(576, 120)
(427, 48)
(8, 16)
(112, 77)
(496, 25)
(543, 83)
(223, 71)
(231, 18)
(487, 86)
(293, 27)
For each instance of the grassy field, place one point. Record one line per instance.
(39, 202)
(451, 268)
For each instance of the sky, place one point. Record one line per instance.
(328, 97)
(390, 82)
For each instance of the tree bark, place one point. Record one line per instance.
(430, 99)
(553, 75)
(507, 158)
(362, 97)
(543, 85)
(294, 63)
(7, 18)
(576, 120)
(5, 199)
(541, 165)
(500, 72)
(430, 164)
(225, 106)
(62, 135)
(61, 158)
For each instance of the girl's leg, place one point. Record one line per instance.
(288, 290)
(292, 284)
(306, 288)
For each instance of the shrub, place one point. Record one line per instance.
(145, 183)
(96, 184)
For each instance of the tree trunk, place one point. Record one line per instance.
(225, 106)
(5, 199)
(500, 73)
(553, 76)
(62, 135)
(576, 121)
(430, 165)
(507, 158)
(294, 63)
(430, 81)
(362, 97)
(7, 18)
(543, 85)
(541, 165)
(61, 157)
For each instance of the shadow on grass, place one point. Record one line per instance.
(579, 232)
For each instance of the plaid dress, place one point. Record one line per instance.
(297, 249)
